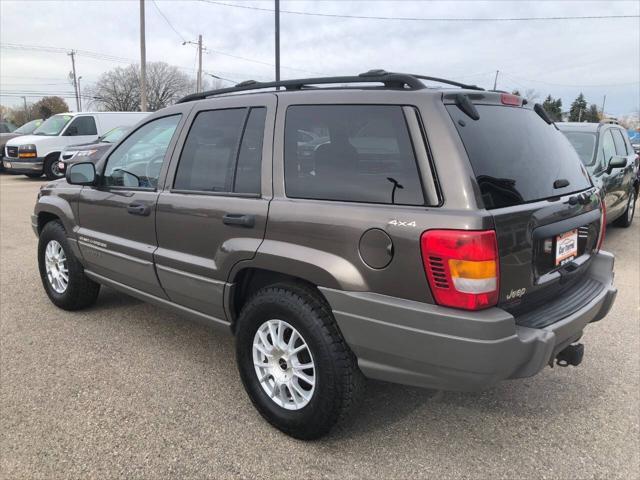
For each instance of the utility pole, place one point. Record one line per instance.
(72, 54)
(199, 82)
(495, 81)
(603, 100)
(277, 11)
(79, 94)
(143, 62)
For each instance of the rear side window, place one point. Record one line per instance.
(84, 125)
(585, 145)
(353, 153)
(215, 160)
(618, 140)
(608, 147)
(516, 156)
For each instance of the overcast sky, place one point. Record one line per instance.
(561, 58)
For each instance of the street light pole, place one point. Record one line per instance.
(143, 62)
(495, 80)
(199, 82)
(277, 12)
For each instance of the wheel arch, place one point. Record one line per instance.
(250, 279)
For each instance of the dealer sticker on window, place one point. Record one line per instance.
(566, 247)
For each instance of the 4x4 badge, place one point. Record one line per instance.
(400, 223)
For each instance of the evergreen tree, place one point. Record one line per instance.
(592, 115)
(553, 107)
(578, 109)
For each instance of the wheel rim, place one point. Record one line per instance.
(632, 207)
(55, 170)
(56, 266)
(284, 365)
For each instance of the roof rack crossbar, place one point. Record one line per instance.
(390, 80)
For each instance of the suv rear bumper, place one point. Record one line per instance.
(425, 345)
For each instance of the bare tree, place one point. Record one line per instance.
(119, 89)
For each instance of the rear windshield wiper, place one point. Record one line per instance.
(561, 183)
(468, 108)
(542, 113)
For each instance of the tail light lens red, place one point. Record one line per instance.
(603, 224)
(462, 267)
(510, 99)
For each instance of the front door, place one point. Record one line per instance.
(117, 235)
(213, 211)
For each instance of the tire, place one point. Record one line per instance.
(51, 169)
(626, 218)
(80, 291)
(33, 175)
(338, 382)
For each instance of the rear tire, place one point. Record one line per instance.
(61, 273)
(51, 169)
(312, 408)
(627, 217)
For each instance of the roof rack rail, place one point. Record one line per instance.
(388, 79)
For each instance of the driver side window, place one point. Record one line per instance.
(137, 161)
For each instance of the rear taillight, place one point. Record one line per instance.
(462, 267)
(603, 225)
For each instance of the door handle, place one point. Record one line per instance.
(239, 219)
(139, 209)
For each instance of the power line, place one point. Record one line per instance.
(516, 78)
(419, 19)
(168, 22)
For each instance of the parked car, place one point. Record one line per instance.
(25, 129)
(39, 153)
(431, 244)
(90, 151)
(606, 151)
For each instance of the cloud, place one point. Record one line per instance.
(561, 58)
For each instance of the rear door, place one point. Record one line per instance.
(545, 209)
(117, 234)
(213, 210)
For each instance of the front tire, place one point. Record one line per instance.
(627, 217)
(51, 169)
(61, 273)
(294, 363)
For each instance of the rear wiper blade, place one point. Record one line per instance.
(542, 113)
(468, 108)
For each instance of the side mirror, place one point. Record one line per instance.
(617, 161)
(81, 174)
(72, 131)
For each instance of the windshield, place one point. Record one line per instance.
(112, 136)
(53, 125)
(516, 156)
(28, 127)
(585, 145)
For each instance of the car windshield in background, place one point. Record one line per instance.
(114, 135)
(516, 156)
(28, 127)
(53, 125)
(585, 145)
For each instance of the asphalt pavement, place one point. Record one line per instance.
(127, 390)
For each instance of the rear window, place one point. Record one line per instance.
(352, 153)
(516, 156)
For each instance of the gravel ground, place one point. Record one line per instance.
(125, 389)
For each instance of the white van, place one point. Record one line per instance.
(38, 153)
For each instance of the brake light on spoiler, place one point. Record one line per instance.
(462, 267)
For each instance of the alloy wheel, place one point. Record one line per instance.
(56, 266)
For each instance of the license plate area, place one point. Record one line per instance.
(566, 247)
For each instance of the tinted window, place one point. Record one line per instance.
(249, 168)
(516, 156)
(585, 144)
(82, 126)
(208, 158)
(618, 139)
(358, 153)
(608, 147)
(137, 161)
